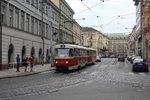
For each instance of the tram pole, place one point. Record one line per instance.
(42, 33)
(0, 36)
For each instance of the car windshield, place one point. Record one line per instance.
(62, 52)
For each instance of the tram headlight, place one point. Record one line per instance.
(66, 62)
(56, 62)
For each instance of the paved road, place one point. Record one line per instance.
(108, 79)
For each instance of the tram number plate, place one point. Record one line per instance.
(61, 61)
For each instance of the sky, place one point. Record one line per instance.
(110, 16)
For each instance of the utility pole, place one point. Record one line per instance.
(42, 32)
(141, 26)
(0, 35)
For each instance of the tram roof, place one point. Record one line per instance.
(72, 46)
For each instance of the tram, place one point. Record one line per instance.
(70, 56)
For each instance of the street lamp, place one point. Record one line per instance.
(42, 37)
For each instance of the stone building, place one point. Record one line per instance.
(117, 44)
(132, 48)
(66, 22)
(143, 27)
(146, 28)
(95, 39)
(29, 28)
(77, 36)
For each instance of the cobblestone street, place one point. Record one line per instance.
(109, 70)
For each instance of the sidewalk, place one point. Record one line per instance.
(9, 73)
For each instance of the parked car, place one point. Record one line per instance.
(121, 58)
(112, 56)
(98, 59)
(139, 65)
(134, 57)
(129, 58)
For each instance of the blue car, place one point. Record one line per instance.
(139, 65)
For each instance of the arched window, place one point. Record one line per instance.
(32, 51)
(23, 52)
(10, 53)
(40, 55)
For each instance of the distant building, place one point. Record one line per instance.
(117, 44)
(95, 39)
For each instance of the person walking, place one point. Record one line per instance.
(31, 63)
(18, 62)
(25, 64)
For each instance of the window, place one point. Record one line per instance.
(3, 12)
(46, 10)
(40, 5)
(11, 16)
(28, 1)
(17, 18)
(36, 4)
(47, 30)
(40, 27)
(53, 15)
(32, 24)
(43, 29)
(22, 20)
(36, 26)
(27, 22)
(148, 21)
(52, 32)
(32, 3)
(63, 52)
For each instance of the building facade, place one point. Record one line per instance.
(29, 28)
(139, 31)
(146, 28)
(132, 48)
(117, 44)
(77, 36)
(95, 39)
(143, 14)
(66, 22)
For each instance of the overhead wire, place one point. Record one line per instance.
(95, 5)
(90, 9)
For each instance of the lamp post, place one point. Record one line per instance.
(0, 36)
(42, 32)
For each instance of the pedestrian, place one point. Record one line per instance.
(31, 63)
(33, 59)
(25, 64)
(18, 62)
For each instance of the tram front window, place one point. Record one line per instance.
(62, 52)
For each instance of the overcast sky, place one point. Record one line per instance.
(110, 16)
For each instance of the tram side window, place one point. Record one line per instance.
(76, 52)
(71, 53)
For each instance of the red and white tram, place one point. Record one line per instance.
(71, 56)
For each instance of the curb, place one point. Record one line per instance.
(25, 74)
